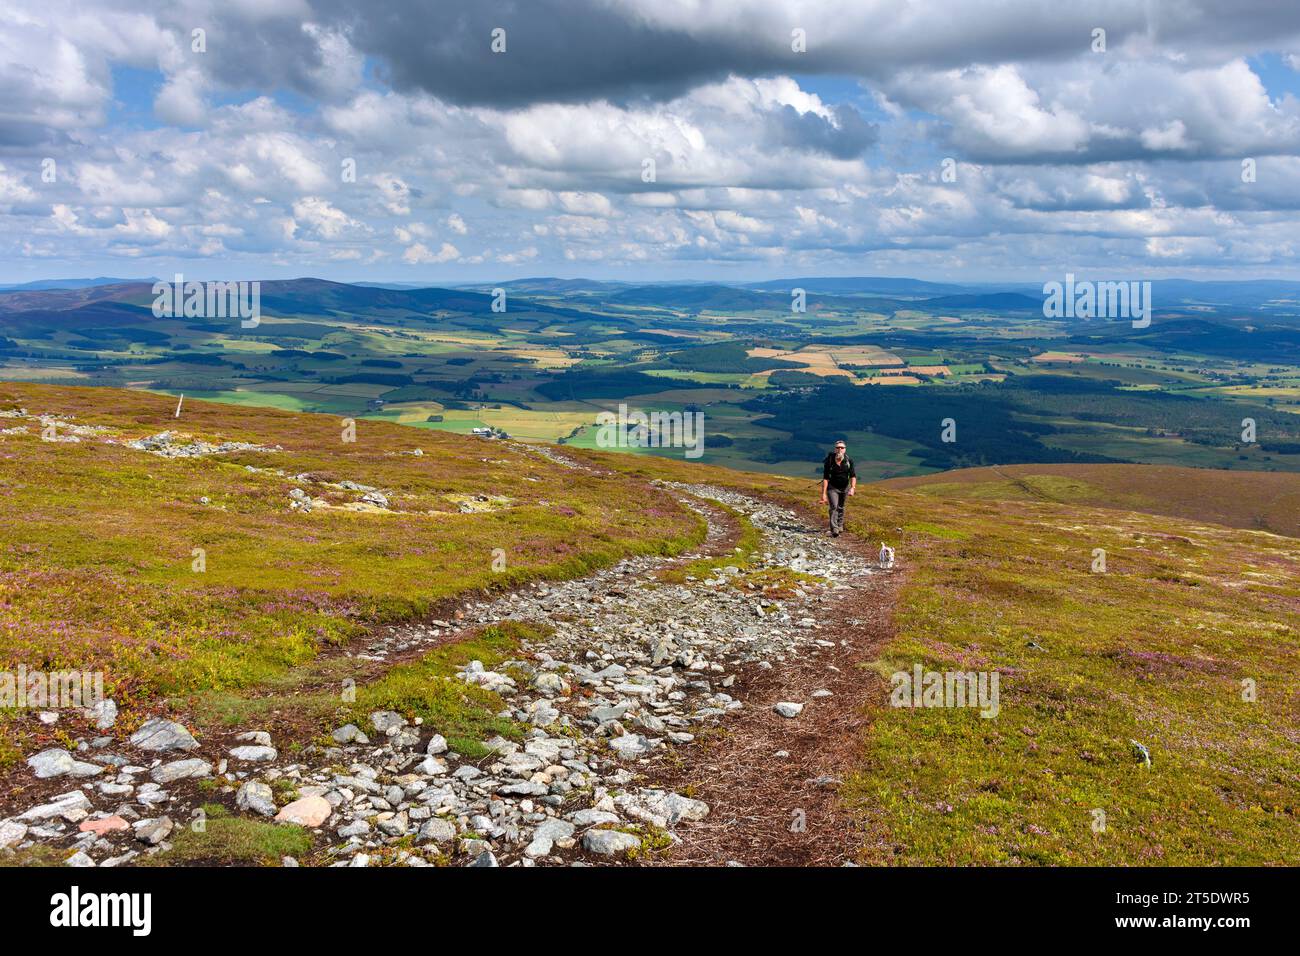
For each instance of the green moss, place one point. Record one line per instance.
(429, 689)
(748, 544)
(228, 840)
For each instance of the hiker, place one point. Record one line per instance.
(838, 480)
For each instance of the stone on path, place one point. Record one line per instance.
(162, 734)
(72, 806)
(438, 830)
(104, 714)
(609, 842)
(181, 770)
(256, 796)
(787, 709)
(103, 825)
(254, 754)
(306, 812)
(350, 733)
(11, 832)
(57, 762)
(630, 745)
(153, 831)
(544, 838)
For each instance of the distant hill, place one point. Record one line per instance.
(41, 285)
(289, 297)
(1258, 500)
(1248, 292)
(698, 297)
(35, 322)
(862, 285)
(992, 301)
(1266, 340)
(547, 285)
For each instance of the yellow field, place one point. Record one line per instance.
(241, 345)
(534, 425)
(23, 373)
(893, 380)
(546, 358)
(818, 358)
(1274, 391)
(678, 333)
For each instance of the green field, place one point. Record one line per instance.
(543, 371)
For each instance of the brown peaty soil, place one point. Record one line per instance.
(786, 811)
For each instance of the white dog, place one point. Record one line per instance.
(886, 555)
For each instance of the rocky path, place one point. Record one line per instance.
(669, 721)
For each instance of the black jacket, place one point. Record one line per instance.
(838, 473)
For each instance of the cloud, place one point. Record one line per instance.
(651, 135)
(419, 254)
(321, 218)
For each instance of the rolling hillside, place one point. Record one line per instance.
(1264, 501)
(1186, 642)
(320, 558)
(307, 540)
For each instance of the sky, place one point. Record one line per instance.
(426, 141)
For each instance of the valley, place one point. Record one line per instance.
(882, 369)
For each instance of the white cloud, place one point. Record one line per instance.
(319, 216)
(1132, 156)
(419, 254)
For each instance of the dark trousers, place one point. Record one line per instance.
(835, 499)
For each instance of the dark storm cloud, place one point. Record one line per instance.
(847, 137)
(579, 50)
(556, 50)
(272, 53)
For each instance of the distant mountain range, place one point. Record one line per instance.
(41, 285)
(311, 296)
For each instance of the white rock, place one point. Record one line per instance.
(66, 805)
(254, 754)
(104, 714)
(256, 796)
(180, 770)
(162, 734)
(630, 745)
(609, 842)
(11, 832)
(57, 762)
